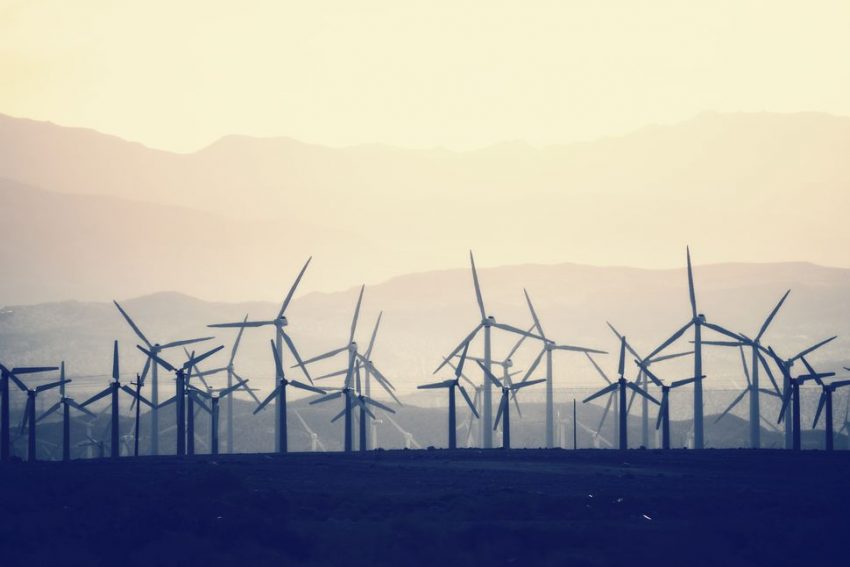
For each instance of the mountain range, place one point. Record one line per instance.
(91, 216)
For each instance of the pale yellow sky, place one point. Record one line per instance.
(177, 75)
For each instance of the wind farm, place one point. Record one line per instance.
(383, 283)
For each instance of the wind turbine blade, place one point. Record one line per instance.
(631, 401)
(516, 403)
(377, 404)
(291, 346)
(78, 407)
(572, 348)
(661, 409)
(519, 343)
(195, 360)
(241, 325)
(230, 389)
(478, 297)
(132, 393)
(605, 413)
(459, 369)
(821, 403)
(49, 411)
(468, 401)
(597, 367)
(649, 374)
(185, 342)
(157, 359)
(306, 387)
(744, 364)
(534, 365)
(771, 316)
(527, 383)
(436, 385)
(638, 390)
(115, 372)
(133, 325)
(669, 341)
(96, 397)
(293, 288)
(534, 314)
(691, 291)
(766, 367)
(374, 335)
(277, 367)
(621, 365)
(499, 413)
(732, 405)
(512, 329)
(813, 348)
(602, 392)
(461, 345)
(236, 342)
(672, 356)
(356, 315)
(684, 382)
(243, 386)
(326, 398)
(785, 399)
(166, 403)
(489, 375)
(718, 329)
(321, 356)
(32, 369)
(620, 338)
(337, 416)
(268, 399)
(50, 386)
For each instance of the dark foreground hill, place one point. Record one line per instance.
(528, 507)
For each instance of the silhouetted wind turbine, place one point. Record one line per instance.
(29, 420)
(451, 385)
(112, 390)
(488, 322)
(791, 391)
(753, 388)
(6, 375)
(279, 323)
(749, 390)
(279, 395)
(697, 322)
(214, 397)
(179, 398)
(315, 443)
(620, 386)
(826, 401)
(67, 404)
(503, 414)
(548, 347)
(154, 349)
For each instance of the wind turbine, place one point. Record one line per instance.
(67, 404)
(749, 390)
(231, 375)
(791, 390)
(214, 397)
(504, 411)
(451, 385)
(179, 398)
(826, 401)
(315, 443)
(279, 395)
(620, 386)
(488, 322)
(409, 441)
(548, 347)
(363, 403)
(643, 381)
(5, 376)
(280, 335)
(697, 321)
(753, 388)
(154, 349)
(112, 390)
(29, 420)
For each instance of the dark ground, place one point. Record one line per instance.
(471, 507)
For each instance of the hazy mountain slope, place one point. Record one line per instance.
(738, 187)
(426, 314)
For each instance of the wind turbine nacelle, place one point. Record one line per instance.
(282, 321)
(352, 346)
(509, 363)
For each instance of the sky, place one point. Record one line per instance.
(458, 74)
